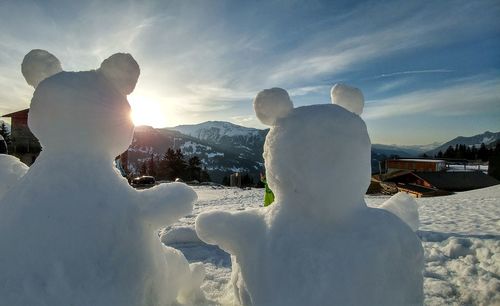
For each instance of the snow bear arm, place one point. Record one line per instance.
(231, 231)
(166, 203)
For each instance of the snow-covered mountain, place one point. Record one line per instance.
(219, 156)
(488, 138)
(246, 142)
(215, 131)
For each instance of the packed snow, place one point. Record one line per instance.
(318, 244)
(460, 234)
(12, 171)
(72, 231)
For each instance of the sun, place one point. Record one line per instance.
(146, 111)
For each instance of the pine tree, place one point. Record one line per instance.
(194, 169)
(4, 131)
(151, 166)
(173, 165)
(483, 153)
(143, 170)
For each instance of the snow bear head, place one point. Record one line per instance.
(317, 154)
(84, 112)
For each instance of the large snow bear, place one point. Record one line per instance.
(72, 231)
(319, 243)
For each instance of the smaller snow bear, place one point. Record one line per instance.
(319, 243)
(72, 231)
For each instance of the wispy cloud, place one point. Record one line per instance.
(468, 98)
(385, 75)
(202, 59)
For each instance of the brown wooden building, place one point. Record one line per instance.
(24, 144)
(417, 165)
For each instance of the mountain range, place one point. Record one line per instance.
(225, 148)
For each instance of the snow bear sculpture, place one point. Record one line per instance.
(319, 243)
(73, 232)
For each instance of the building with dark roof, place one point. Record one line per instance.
(430, 165)
(24, 144)
(423, 184)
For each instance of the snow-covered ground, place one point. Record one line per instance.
(460, 234)
(460, 168)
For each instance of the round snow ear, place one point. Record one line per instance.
(272, 104)
(38, 65)
(122, 70)
(350, 98)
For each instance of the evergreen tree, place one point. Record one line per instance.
(194, 169)
(246, 180)
(449, 153)
(483, 153)
(143, 170)
(173, 165)
(494, 162)
(151, 166)
(4, 131)
(204, 176)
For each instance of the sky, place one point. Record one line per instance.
(429, 70)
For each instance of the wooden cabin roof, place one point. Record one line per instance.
(21, 113)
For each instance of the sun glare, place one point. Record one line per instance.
(146, 111)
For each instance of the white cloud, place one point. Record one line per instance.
(201, 58)
(479, 97)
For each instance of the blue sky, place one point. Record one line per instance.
(429, 70)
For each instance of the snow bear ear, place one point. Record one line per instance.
(272, 104)
(350, 98)
(122, 70)
(38, 65)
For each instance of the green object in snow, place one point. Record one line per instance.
(269, 195)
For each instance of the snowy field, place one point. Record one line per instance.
(460, 234)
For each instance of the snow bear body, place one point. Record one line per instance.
(73, 232)
(318, 244)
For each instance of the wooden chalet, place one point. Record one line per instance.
(24, 144)
(417, 165)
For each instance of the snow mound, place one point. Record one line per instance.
(181, 234)
(319, 243)
(462, 271)
(12, 171)
(74, 231)
(405, 207)
(350, 98)
(272, 104)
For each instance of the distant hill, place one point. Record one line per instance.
(245, 142)
(220, 156)
(225, 148)
(488, 138)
